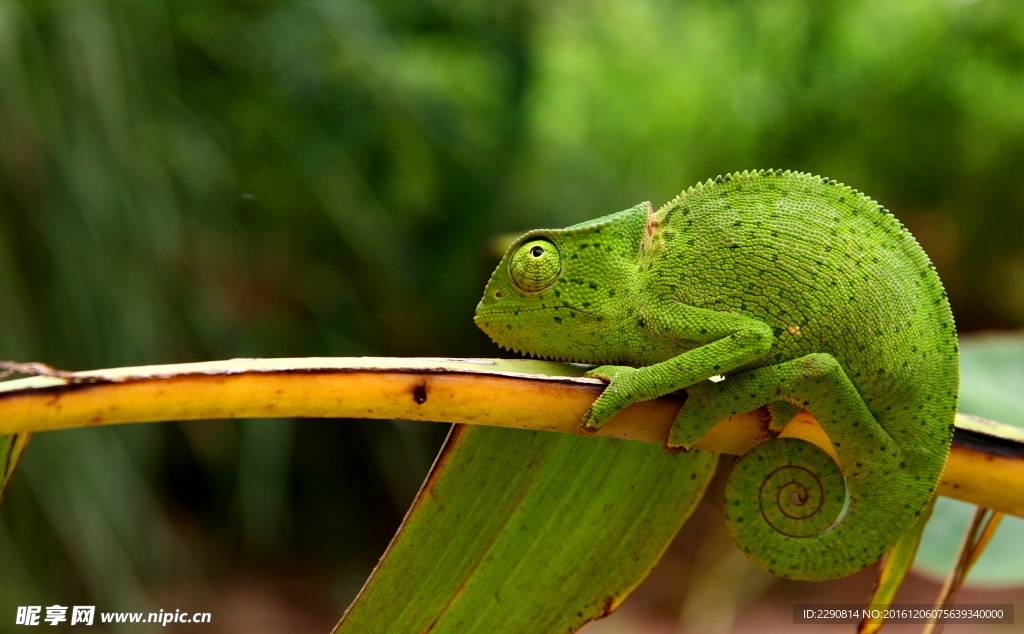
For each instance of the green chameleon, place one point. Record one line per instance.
(800, 292)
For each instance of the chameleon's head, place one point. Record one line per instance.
(557, 293)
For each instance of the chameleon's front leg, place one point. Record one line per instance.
(733, 341)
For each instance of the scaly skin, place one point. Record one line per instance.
(803, 293)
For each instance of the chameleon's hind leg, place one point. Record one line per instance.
(788, 488)
(816, 381)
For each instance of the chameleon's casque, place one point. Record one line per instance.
(803, 293)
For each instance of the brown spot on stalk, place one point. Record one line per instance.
(610, 605)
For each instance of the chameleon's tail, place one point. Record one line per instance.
(789, 527)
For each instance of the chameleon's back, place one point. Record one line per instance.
(831, 271)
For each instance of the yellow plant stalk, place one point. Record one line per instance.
(985, 467)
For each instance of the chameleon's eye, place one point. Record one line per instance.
(535, 265)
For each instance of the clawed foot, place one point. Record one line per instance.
(614, 399)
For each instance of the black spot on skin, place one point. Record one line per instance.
(558, 320)
(640, 322)
(419, 394)
(593, 285)
(611, 293)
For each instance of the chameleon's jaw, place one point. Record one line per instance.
(499, 328)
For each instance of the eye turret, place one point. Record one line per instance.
(535, 265)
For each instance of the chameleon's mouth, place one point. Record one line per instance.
(495, 321)
(507, 310)
(516, 311)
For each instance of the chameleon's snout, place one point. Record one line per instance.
(486, 322)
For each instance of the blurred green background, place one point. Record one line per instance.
(207, 179)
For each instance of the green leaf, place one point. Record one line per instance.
(527, 531)
(11, 448)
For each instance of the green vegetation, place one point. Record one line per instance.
(193, 180)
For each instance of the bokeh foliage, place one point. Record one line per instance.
(209, 179)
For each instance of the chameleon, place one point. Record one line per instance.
(765, 288)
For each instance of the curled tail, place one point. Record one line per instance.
(784, 506)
